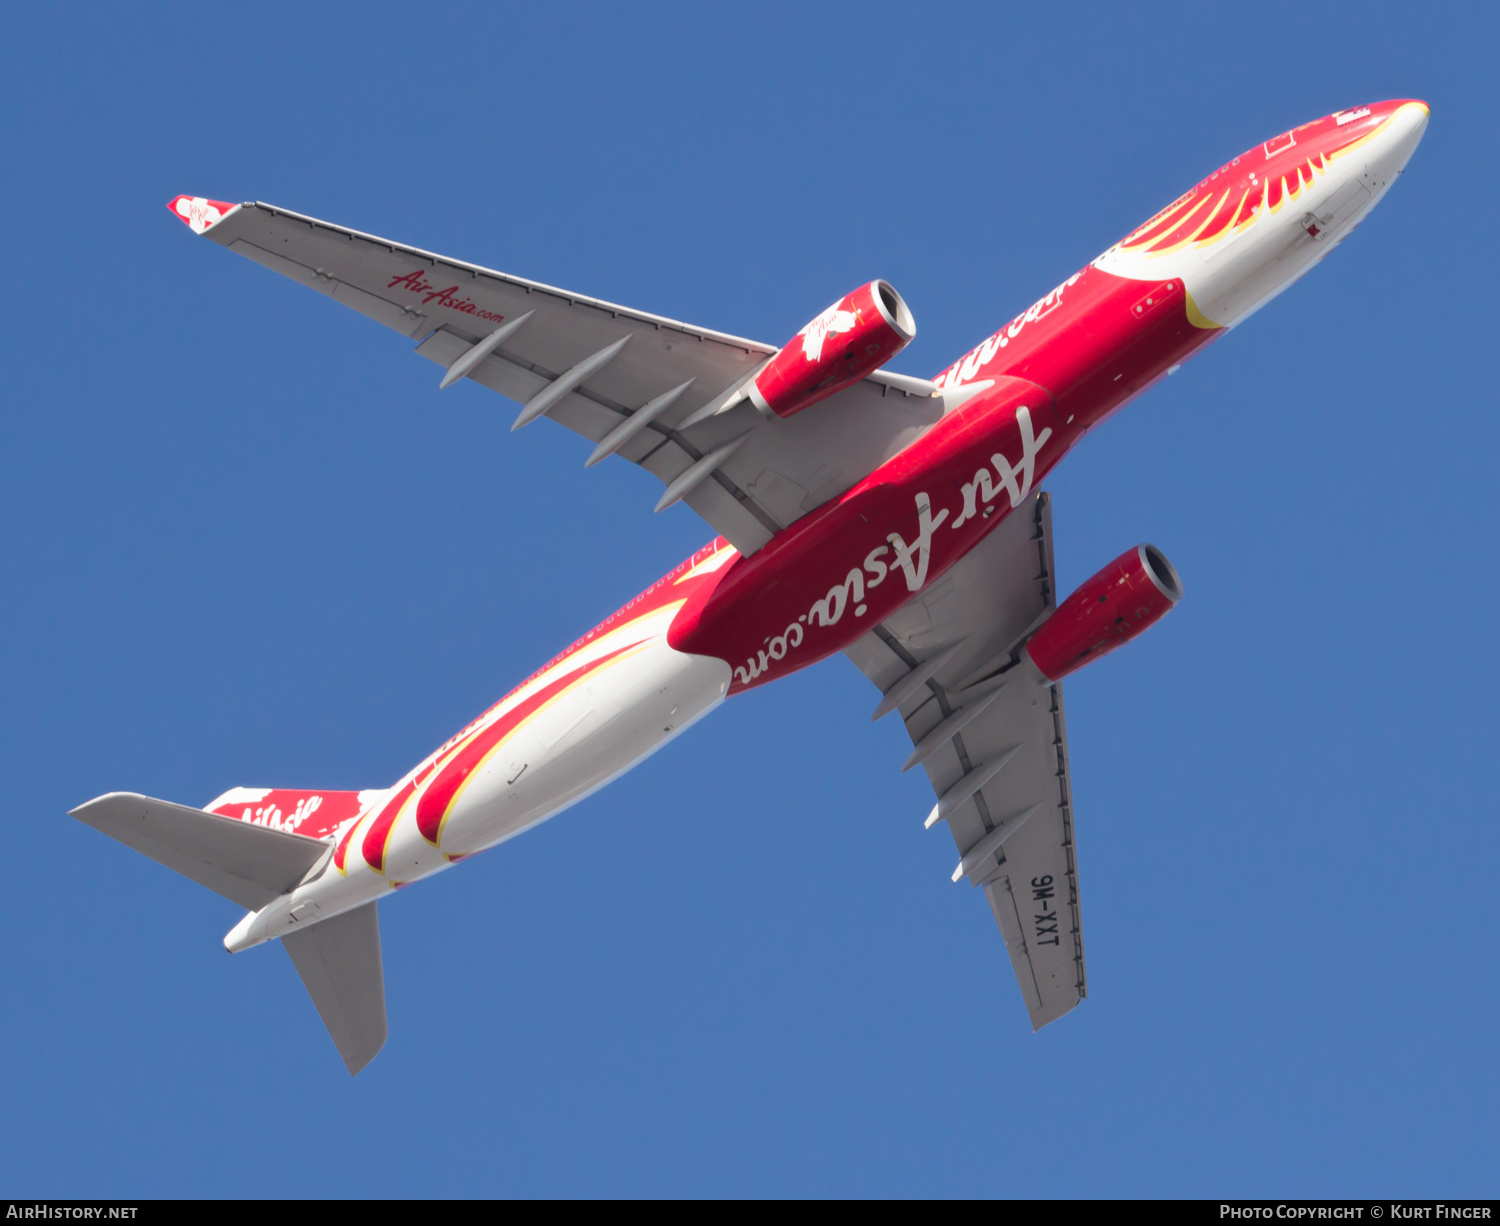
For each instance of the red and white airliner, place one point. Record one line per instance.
(891, 518)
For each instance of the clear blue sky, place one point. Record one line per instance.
(243, 540)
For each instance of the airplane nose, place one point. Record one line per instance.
(1404, 132)
(1380, 140)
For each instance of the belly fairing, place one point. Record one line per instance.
(836, 573)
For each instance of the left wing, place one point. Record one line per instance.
(638, 385)
(993, 740)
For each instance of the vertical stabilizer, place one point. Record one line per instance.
(339, 961)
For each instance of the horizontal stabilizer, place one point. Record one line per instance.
(246, 863)
(339, 961)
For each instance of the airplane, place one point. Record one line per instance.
(894, 519)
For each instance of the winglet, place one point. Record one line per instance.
(200, 214)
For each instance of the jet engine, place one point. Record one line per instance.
(1133, 592)
(856, 335)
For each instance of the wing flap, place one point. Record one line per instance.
(1034, 883)
(1007, 916)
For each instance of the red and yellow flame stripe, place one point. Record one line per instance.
(435, 788)
(437, 800)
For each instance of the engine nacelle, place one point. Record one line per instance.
(1133, 592)
(856, 335)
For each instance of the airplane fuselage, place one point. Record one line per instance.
(1013, 407)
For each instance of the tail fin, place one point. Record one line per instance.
(254, 857)
(315, 814)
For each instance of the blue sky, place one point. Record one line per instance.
(244, 541)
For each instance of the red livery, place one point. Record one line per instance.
(859, 333)
(1130, 595)
(895, 519)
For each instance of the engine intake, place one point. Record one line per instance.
(856, 335)
(1132, 593)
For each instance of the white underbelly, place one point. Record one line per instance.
(574, 747)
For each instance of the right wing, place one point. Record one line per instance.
(747, 475)
(993, 740)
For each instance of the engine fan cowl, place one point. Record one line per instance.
(1128, 596)
(858, 334)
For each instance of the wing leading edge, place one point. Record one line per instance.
(996, 752)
